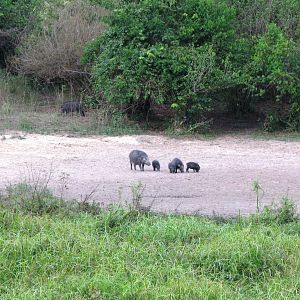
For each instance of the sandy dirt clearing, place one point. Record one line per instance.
(223, 186)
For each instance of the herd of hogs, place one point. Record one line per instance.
(136, 157)
(140, 158)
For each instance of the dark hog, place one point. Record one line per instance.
(72, 106)
(176, 164)
(193, 166)
(156, 165)
(140, 158)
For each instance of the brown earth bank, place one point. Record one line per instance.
(229, 165)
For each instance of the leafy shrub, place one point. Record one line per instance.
(273, 122)
(162, 52)
(270, 66)
(16, 14)
(271, 75)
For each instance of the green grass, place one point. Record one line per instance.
(50, 249)
(16, 92)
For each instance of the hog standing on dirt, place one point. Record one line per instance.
(140, 158)
(156, 165)
(176, 164)
(72, 106)
(192, 165)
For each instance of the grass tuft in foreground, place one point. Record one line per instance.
(68, 250)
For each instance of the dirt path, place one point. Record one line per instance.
(224, 184)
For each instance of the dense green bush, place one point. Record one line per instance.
(18, 14)
(274, 76)
(270, 66)
(15, 14)
(170, 52)
(199, 55)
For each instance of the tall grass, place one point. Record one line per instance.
(16, 93)
(28, 109)
(119, 253)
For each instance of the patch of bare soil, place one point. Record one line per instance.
(229, 165)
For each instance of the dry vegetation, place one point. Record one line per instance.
(55, 53)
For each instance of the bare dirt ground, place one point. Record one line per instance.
(229, 165)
